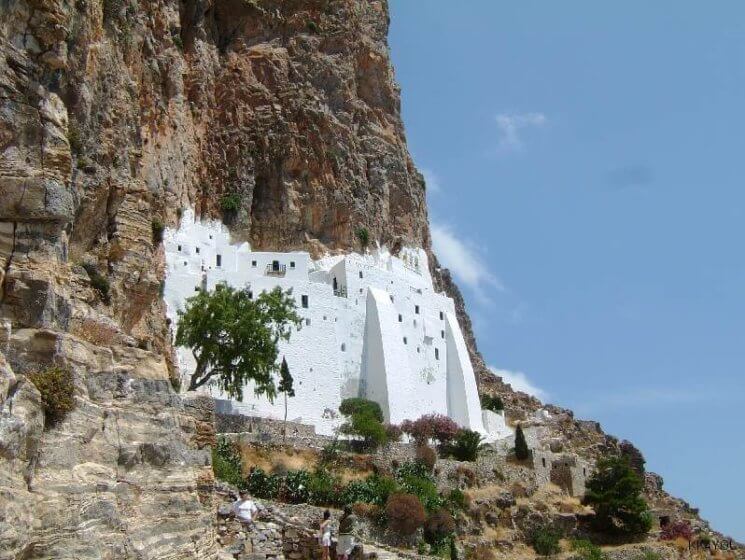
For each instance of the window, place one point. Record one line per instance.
(415, 322)
(360, 274)
(442, 334)
(197, 250)
(304, 301)
(253, 264)
(275, 266)
(219, 260)
(391, 298)
(437, 353)
(405, 341)
(179, 248)
(196, 288)
(292, 264)
(416, 309)
(442, 315)
(418, 350)
(543, 460)
(185, 263)
(307, 322)
(250, 294)
(400, 318)
(343, 347)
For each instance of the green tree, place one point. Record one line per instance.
(286, 387)
(364, 419)
(521, 446)
(363, 236)
(235, 338)
(615, 493)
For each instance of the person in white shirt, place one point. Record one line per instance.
(245, 508)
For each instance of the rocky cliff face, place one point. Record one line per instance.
(114, 116)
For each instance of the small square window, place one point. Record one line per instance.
(292, 264)
(400, 318)
(391, 298)
(418, 350)
(343, 347)
(405, 341)
(197, 250)
(196, 288)
(179, 248)
(307, 322)
(442, 315)
(442, 334)
(250, 294)
(437, 354)
(218, 260)
(253, 264)
(360, 274)
(304, 301)
(416, 309)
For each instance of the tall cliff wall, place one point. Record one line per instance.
(114, 115)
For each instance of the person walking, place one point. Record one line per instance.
(325, 534)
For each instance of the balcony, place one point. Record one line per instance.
(340, 291)
(276, 269)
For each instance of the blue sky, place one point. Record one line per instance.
(586, 165)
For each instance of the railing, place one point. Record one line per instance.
(271, 270)
(341, 291)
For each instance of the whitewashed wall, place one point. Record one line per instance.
(386, 334)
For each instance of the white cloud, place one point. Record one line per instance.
(464, 261)
(510, 126)
(520, 382)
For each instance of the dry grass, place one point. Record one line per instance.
(94, 332)
(484, 492)
(277, 459)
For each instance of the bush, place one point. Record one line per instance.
(263, 485)
(405, 514)
(295, 487)
(545, 541)
(324, 488)
(415, 479)
(587, 551)
(369, 511)
(466, 445)
(158, 228)
(615, 493)
(363, 236)
(493, 403)
(438, 427)
(438, 528)
(521, 446)
(226, 463)
(426, 456)
(677, 530)
(481, 552)
(230, 203)
(457, 500)
(57, 390)
(375, 489)
(365, 420)
(99, 282)
(393, 432)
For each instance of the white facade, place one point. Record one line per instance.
(373, 326)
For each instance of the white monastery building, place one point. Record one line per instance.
(373, 327)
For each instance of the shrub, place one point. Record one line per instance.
(226, 463)
(438, 427)
(295, 487)
(365, 420)
(415, 479)
(405, 513)
(369, 511)
(466, 445)
(312, 26)
(393, 432)
(677, 530)
(493, 403)
(230, 203)
(158, 228)
(426, 456)
(99, 282)
(57, 390)
(457, 500)
(545, 541)
(615, 493)
(481, 552)
(438, 528)
(363, 236)
(587, 551)
(263, 485)
(323, 488)
(375, 489)
(521, 446)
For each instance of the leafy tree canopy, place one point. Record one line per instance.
(615, 493)
(235, 339)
